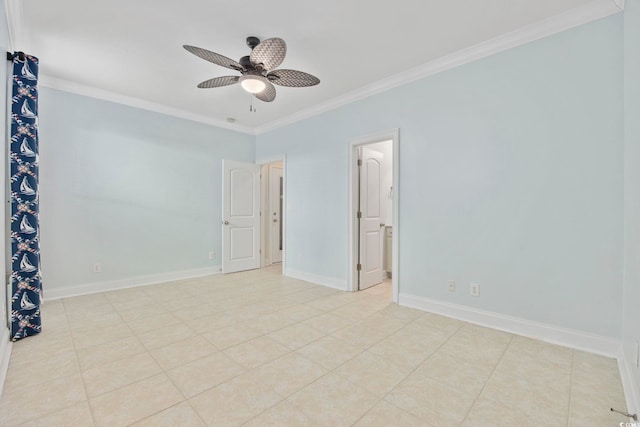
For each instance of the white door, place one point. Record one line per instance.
(370, 244)
(275, 212)
(240, 216)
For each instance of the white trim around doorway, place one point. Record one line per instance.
(264, 203)
(354, 143)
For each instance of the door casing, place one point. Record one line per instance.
(274, 213)
(264, 163)
(394, 136)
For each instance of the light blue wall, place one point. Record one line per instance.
(137, 191)
(511, 175)
(631, 322)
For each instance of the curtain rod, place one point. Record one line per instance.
(21, 56)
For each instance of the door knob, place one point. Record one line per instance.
(226, 222)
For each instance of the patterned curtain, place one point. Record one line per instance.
(25, 237)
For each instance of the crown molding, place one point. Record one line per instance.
(93, 92)
(589, 12)
(18, 39)
(596, 9)
(620, 4)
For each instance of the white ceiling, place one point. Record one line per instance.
(134, 47)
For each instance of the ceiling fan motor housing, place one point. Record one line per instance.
(245, 61)
(253, 42)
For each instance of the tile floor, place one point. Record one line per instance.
(260, 349)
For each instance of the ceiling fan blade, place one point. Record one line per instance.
(292, 78)
(268, 94)
(216, 58)
(219, 82)
(270, 53)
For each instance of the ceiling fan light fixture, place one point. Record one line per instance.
(252, 84)
(259, 70)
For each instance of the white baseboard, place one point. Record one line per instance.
(605, 346)
(5, 354)
(331, 282)
(630, 385)
(111, 285)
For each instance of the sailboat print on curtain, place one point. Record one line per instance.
(26, 281)
(26, 188)
(25, 149)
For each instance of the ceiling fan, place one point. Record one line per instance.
(257, 73)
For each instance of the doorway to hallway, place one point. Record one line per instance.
(373, 212)
(273, 209)
(253, 215)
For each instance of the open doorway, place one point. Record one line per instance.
(253, 215)
(273, 185)
(374, 212)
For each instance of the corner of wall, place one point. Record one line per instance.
(629, 384)
(629, 370)
(620, 4)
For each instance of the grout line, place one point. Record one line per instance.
(195, 411)
(573, 358)
(412, 371)
(489, 379)
(169, 407)
(75, 350)
(332, 371)
(261, 287)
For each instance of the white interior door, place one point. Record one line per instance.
(371, 227)
(276, 187)
(240, 216)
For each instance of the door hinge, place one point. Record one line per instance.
(359, 266)
(359, 215)
(359, 162)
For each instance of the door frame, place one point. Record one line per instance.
(275, 202)
(354, 143)
(264, 203)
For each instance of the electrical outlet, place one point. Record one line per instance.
(212, 255)
(452, 286)
(97, 268)
(474, 289)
